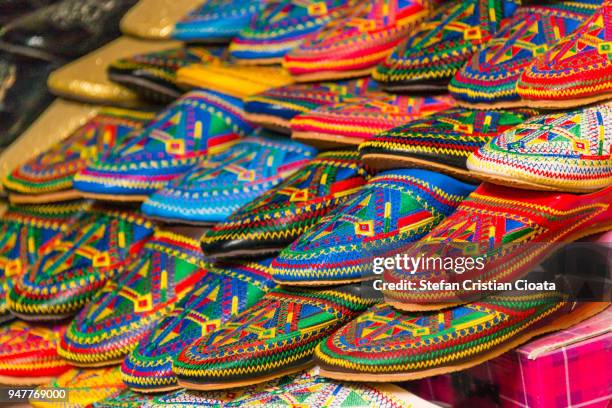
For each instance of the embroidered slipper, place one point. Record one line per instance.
(566, 151)
(512, 230)
(440, 142)
(28, 353)
(440, 46)
(62, 116)
(217, 187)
(225, 292)
(217, 21)
(275, 220)
(279, 392)
(154, 19)
(153, 75)
(125, 399)
(393, 209)
(127, 308)
(275, 337)
(48, 176)
(83, 387)
(274, 108)
(77, 263)
(182, 398)
(282, 26)
(85, 80)
(384, 344)
(305, 389)
(24, 233)
(351, 123)
(352, 47)
(197, 124)
(219, 398)
(576, 71)
(489, 79)
(308, 389)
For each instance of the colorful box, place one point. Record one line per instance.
(570, 368)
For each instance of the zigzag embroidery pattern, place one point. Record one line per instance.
(384, 340)
(565, 150)
(493, 72)
(24, 234)
(219, 296)
(121, 314)
(279, 332)
(54, 169)
(95, 248)
(578, 66)
(498, 229)
(391, 211)
(441, 45)
(296, 204)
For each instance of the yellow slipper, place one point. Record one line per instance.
(235, 80)
(62, 116)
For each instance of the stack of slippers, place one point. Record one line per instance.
(207, 225)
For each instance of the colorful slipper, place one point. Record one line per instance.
(351, 47)
(440, 142)
(28, 353)
(221, 295)
(395, 208)
(48, 176)
(308, 389)
(83, 387)
(127, 308)
(384, 344)
(125, 399)
(282, 26)
(195, 125)
(275, 337)
(270, 223)
(217, 21)
(440, 46)
(577, 70)
(24, 233)
(153, 75)
(274, 109)
(511, 230)
(62, 116)
(566, 151)
(305, 389)
(489, 79)
(217, 187)
(231, 79)
(77, 263)
(220, 398)
(353, 122)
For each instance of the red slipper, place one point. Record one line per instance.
(505, 232)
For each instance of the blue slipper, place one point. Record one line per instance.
(195, 125)
(217, 187)
(217, 21)
(226, 291)
(394, 208)
(282, 26)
